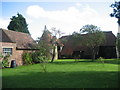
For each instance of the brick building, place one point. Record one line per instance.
(15, 43)
(106, 50)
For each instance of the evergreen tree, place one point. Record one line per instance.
(18, 23)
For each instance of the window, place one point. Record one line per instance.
(7, 51)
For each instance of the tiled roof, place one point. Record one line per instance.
(69, 46)
(22, 40)
(48, 38)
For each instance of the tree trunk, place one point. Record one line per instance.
(93, 55)
(117, 52)
(52, 58)
(55, 53)
(117, 42)
(118, 28)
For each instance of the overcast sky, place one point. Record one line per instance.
(68, 16)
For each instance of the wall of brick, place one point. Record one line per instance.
(18, 57)
(19, 54)
(16, 54)
(9, 45)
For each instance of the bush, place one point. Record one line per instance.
(5, 62)
(101, 59)
(40, 57)
(1, 56)
(34, 57)
(27, 58)
(43, 61)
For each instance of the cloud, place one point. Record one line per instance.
(4, 23)
(68, 20)
(35, 11)
(78, 4)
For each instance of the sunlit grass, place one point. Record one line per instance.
(64, 74)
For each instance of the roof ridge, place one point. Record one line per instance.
(13, 31)
(22, 40)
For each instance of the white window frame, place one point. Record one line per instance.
(7, 50)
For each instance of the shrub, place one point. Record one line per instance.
(43, 61)
(41, 57)
(34, 57)
(5, 62)
(27, 58)
(101, 59)
(1, 56)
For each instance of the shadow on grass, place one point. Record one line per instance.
(114, 61)
(69, 62)
(62, 80)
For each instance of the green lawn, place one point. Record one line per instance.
(63, 74)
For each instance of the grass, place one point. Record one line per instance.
(64, 74)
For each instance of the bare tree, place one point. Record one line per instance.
(55, 32)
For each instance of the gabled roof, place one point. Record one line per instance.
(22, 40)
(4, 37)
(69, 46)
(110, 39)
